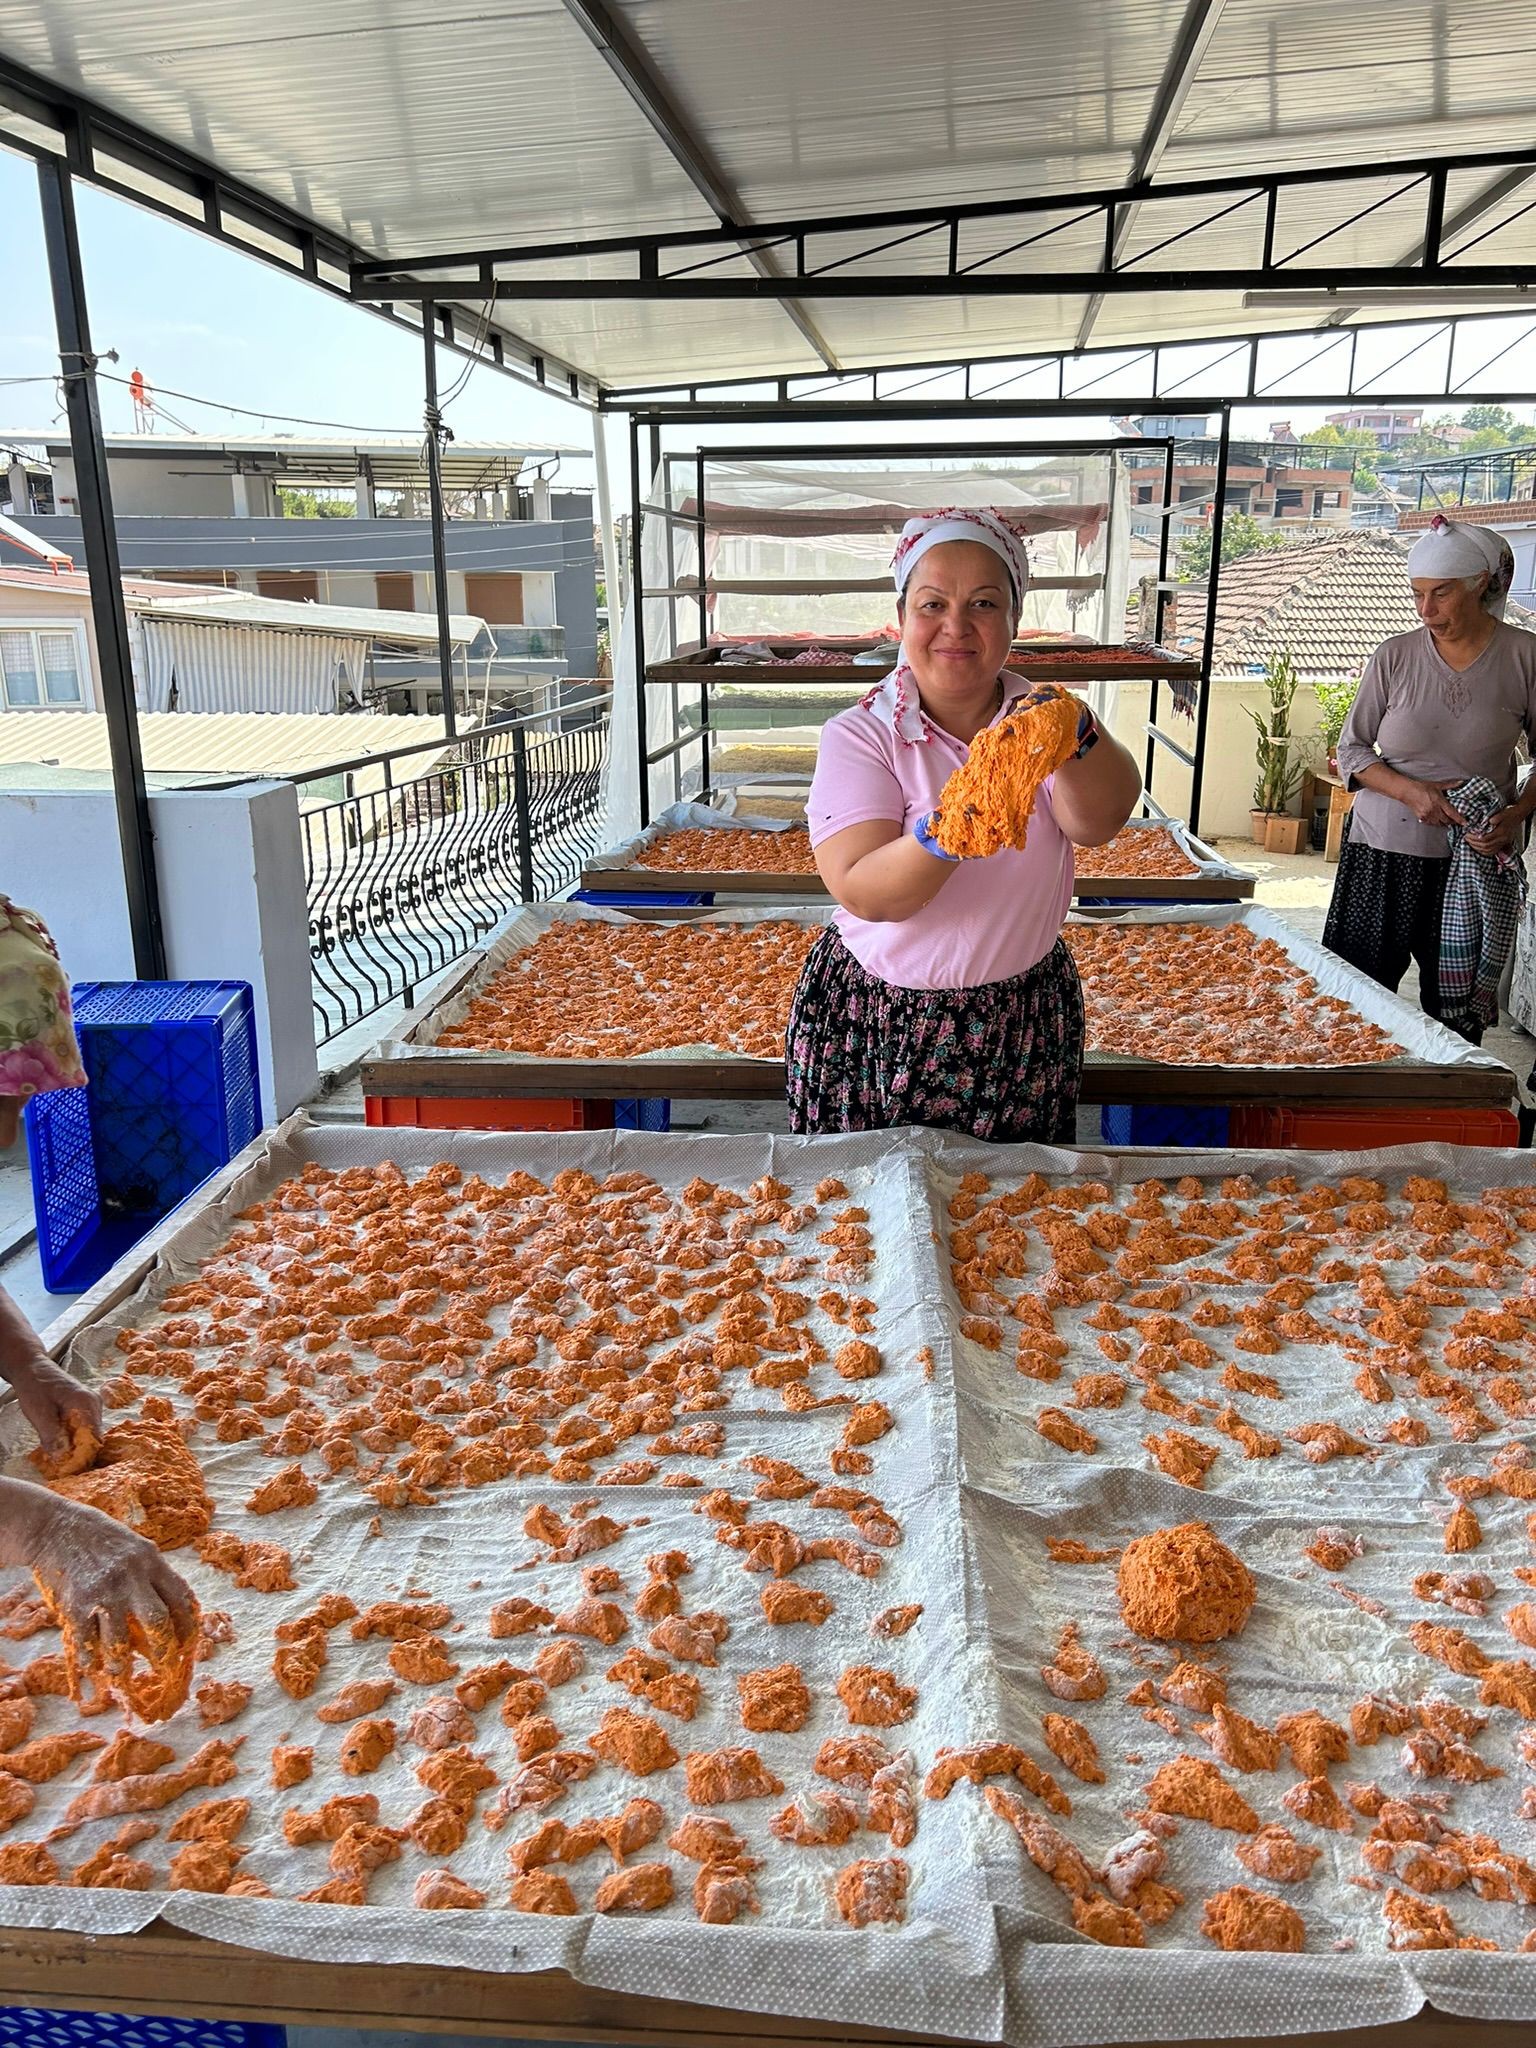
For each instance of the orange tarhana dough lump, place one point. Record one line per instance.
(986, 804)
(1242, 1918)
(148, 1672)
(1184, 1585)
(146, 1477)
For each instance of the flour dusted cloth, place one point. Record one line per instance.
(1483, 895)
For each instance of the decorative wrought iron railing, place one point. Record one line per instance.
(411, 856)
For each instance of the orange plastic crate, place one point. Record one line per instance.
(485, 1113)
(1353, 1130)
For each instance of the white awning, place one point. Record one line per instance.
(241, 608)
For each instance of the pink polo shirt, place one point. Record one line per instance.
(993, 918)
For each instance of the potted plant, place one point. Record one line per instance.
(1335, 700)
(1278, 762)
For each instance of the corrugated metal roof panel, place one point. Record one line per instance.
(226, 743)
(423, 125)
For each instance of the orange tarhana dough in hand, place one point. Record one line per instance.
(82, 1447)
(1184, 1585)
(147, 1478)
(110, 1671)
(986, 804)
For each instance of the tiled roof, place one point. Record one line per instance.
(1329, 603)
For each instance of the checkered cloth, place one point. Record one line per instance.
(1483, 895)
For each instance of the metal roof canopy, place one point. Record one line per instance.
(668, 194)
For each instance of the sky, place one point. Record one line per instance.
(198, 317)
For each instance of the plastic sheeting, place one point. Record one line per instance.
(838, 522)
(985, 1953)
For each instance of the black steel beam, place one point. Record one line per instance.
(877, 224)
(108, 614)
(640, 79)
(620, 398)
(1212, 599)
(697, 287)
(212, 193)
(439, 521)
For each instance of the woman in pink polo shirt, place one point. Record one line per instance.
(942, 992)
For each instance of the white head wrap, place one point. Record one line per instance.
(961, 522)
(1446, 549)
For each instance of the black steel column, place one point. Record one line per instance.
(435, 430)
(94, 493)
(1212, 593)
(704, 733)
(1159, 608)
(637, 600)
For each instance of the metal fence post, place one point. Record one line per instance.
(435, 430)
(523, 809)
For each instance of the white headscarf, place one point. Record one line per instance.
(1446, 549)
(962, 522)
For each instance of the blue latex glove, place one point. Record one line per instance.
(922, 832)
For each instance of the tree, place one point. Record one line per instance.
(310, 505)
(1241, 534)
(1482, 417)
(1323, 444)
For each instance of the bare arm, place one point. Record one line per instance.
(879, 872)
(1094, 794)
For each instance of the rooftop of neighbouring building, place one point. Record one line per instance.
(1329, 603)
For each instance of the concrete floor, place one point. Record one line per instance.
(1297, 887)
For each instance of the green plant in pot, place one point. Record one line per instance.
(1278, 759)
(1335, 700)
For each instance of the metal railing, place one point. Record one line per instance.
(404, 872)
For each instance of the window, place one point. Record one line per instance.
(300, 586)
(42, 667)
(496, 598)
(395, 591)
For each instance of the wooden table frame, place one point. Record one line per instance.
(163, 1970)
(459, 1074)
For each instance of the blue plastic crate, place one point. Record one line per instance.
(1156, 1123)
(646, 899)
(23, 2027)
(174, 1094)
(643, 1113)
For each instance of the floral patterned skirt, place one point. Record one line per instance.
(1001, 1062)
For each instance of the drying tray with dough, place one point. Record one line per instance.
(1148, 860)
(1426, 1064)
(985, 1947)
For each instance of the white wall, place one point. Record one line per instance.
(174, 487)
(232, 901)
(1230, 761)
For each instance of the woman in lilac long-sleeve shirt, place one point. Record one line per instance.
(1437, 706)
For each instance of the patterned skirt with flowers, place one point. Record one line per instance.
(1001, 1062)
